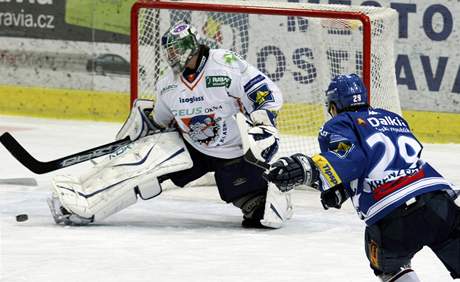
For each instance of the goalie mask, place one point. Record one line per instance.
(179, 44)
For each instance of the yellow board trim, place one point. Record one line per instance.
(63, 103)
(434, 127)
(429, 127)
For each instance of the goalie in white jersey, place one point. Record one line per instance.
(200, 96)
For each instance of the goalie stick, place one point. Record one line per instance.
(38, 167)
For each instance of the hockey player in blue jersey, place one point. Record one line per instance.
(371, 156)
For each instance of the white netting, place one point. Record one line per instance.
(300, 53)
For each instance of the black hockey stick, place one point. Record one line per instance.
(249, 157)
(39, 167)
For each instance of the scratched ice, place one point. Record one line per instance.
(182, 235)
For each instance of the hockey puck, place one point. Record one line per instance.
(22, 217)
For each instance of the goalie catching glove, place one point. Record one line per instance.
(139, 122)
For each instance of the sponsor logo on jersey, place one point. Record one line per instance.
(230, 58)
(373, 113)
(360, 121)
(168, 88)
(326, 170)
(196, 111)
(391, 177)
(386, 121)
(384, 189)
(191, 100)
(204, 129)
(260, 96)
(218, 81)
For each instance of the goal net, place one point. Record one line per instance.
(299, 46)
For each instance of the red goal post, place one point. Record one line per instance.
(336, 39)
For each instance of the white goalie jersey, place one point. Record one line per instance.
(204, 108)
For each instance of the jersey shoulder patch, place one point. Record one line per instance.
(260, 96)
(229, 59)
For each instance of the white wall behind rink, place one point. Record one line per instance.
(426, 53)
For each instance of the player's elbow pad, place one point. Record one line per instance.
(334, 197)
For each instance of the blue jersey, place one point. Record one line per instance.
(374, 154)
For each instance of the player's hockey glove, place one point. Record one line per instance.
(289, 172)
(333, 197)
(139, 123)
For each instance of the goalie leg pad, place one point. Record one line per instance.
(278, 207)
(269, 209)
(80, 208)
(115, 183)
(405, 275)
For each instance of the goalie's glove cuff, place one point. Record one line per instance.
(263, 135)
(333, 197)
(140, 122)
(289, 172)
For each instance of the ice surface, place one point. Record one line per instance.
(184, 234)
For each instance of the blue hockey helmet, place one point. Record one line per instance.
(179, 44)
(346, 92)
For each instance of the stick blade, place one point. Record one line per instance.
(20, 154)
